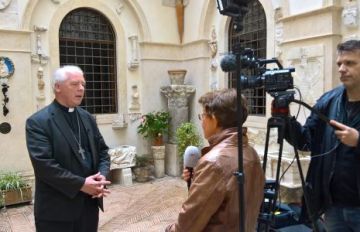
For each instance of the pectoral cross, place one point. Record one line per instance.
(82, 152)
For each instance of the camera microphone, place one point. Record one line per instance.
(191, 157)
(228, 63)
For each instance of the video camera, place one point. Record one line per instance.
(275, 81)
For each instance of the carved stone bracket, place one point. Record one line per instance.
(172, 3)
(177, 94)
(39, 57)
(4, 4)
(279, 37)
(120, 8)
(133, 64)
(120, 121)
(213, 45)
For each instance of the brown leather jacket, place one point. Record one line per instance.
(212, 204)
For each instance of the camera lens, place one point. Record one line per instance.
(251, 82)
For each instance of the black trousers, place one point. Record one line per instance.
(88, 221)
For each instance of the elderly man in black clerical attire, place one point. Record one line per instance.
(69, 157)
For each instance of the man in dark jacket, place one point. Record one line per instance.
(333, 179)
(69, 157)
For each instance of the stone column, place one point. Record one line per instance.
(178, 106)
(177, 96)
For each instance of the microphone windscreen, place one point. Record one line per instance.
(228, 63)
(191, 156)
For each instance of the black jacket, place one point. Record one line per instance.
(59, 172)
(318, 137)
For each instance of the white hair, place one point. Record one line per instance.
(62, 74)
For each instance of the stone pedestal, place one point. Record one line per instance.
(159, 160)
(121, 176)
(122, 159)
(172, 160)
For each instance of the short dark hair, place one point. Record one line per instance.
(222, 104)
(348, 46)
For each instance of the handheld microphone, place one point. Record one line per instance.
(191, 157)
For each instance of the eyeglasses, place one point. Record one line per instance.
(201, 116)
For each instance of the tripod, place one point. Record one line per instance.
(280, 119)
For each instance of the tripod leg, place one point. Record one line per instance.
(280, 124)
(306, 195)
(267, 138)
(271, 192)
(264, 217)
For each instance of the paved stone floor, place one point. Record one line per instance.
(145, 207)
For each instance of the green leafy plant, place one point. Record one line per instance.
(187, 135)
(142, 160)
(154, 124)
(11, 181)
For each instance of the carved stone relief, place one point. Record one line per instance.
(350, 16)
(4, 4)
(257, 138)
(279, 37)
(41, 83)
(39, 57)
(122, 156)
(135, 103)
(309, 71)
(9, 14)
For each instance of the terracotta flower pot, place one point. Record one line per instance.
(142, 174)
(158, 141)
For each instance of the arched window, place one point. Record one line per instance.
(86, 39)
(253, 35)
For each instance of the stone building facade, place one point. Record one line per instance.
(152, 37)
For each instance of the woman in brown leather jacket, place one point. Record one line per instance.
(212, 204)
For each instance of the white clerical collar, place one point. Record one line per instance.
(71, 110)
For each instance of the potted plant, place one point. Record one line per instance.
(14, 189)
(142, 169)
(154, 125)
(187, 135)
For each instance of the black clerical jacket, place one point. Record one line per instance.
(58, 167)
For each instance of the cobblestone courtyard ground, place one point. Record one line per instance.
(146, 207)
